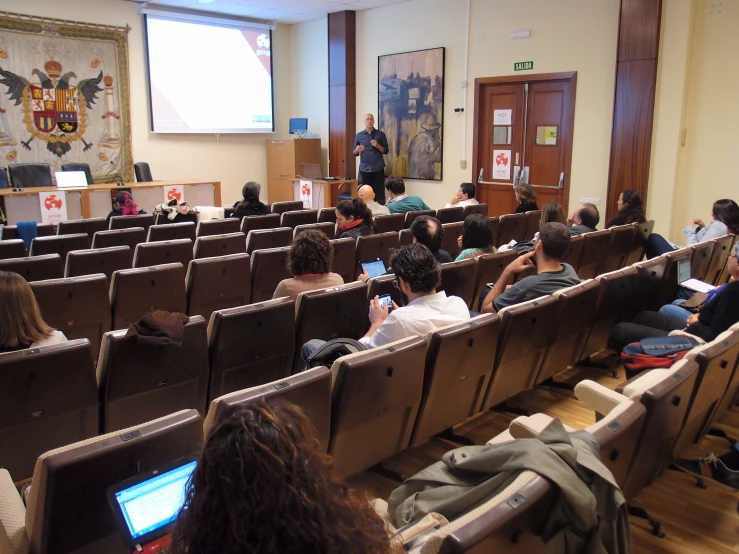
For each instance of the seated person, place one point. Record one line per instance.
(477, 239)
(716, 316)
(630, 209)
(354, 219)
(526, 198)
(367, 195)
(250, 204)
(21, 324)
(584, 220)
(552, 213)
(551, 276)
(417, 274)
(261, 468)
(398, 201)
(725, 215)
(465, 196)
(310, 259)
(428, 231)
(123, 205)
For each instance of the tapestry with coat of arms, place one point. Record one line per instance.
(64, 96)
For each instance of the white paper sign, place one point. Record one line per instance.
(502, 165)
(306, 194)
(174, 192)
(502, 117)
(53, 207)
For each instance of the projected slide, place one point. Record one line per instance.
(209, 79)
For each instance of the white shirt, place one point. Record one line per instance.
(463, 203)
(418, 318)
(397, 198)
(377, 209)
(55, 338)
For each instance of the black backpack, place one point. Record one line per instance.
(334, 349)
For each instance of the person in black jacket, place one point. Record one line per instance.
(526, 198)
(716, 316)
(123, 205)
(250, 205)
(354, 218)
(630, 209)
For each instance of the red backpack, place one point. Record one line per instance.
(656, 352)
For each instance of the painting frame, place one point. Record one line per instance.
(410, 111)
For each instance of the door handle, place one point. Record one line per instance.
(561, 183)
(480, 175)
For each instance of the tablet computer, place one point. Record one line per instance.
(374, 268)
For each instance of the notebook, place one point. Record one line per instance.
(684, 280)
(146, 506)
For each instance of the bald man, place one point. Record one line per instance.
(367, 195)
(371, 145)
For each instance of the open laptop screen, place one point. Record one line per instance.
(683, 271)
(153, 503)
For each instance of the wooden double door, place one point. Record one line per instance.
(523, 133)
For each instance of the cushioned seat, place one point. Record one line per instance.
(78, 306)
(98, 260)
(383, 286)
(254, 222)
(533, 219)
(719, 258)
(410, 217)
(651, 276)
(475, 209)
(220, 245)
(89, 226)
(35, 268)
(262, 239)
(250, 345)
(8, 232)
(527, 331)
(450, 215)
(512, 227)
(207, 228)
(290, 206)
(371, 247)
(309, 390)
(172, 231)
(268, 268)
(489, 269)
(326, 215)
(128, 221)
(702, 254)
(458, 279)
(729, 397)
(405, 238)
(64, 516)
(80, 167)
(328, 229)
(30, 175)
(136, 292)
(41, 246)
(162, 218)
(622, 241)
(49, 399)
(388, 223)
(345, 258)
(667, 292)
(595, 252)
(374, 402)
(217, 283)
(119, 237)
(347, 305)
(494, 226)
(140, 382)
(459, 364)
(143, 172)
(298, 217)
(452, 232)
(574, 252)
(13, 248)
(163, 252)
(641, 234)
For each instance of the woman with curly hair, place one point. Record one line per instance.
(354, 218)
(630, 209)
(263, 485)
(310, 259)
(526, 198)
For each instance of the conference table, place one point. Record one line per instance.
(96, 200)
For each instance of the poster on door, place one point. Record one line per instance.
(502, 117)
(175, 192)
(53, 206)
(502, 165)
(306, 194)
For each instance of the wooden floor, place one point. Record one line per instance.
(694, 520)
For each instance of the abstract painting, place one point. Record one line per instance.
(411, 112)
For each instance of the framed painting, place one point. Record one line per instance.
(411, 112)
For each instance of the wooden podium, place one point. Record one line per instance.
(331, 190)
(285, 160)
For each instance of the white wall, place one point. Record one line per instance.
(231, 159)
(567, 35)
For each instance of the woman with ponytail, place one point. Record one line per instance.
(123, 205)
(354, 218)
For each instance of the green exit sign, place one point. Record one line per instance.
(523, 66)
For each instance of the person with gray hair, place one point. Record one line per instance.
(250, 204)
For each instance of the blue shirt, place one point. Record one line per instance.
(370, 159)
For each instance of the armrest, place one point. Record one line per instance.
(620, 389)
(12, 517)
(599, 398)
(684, 334)
(528, 427)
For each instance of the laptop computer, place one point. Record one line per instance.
(70, 179)
(146, 506)
(684, 280)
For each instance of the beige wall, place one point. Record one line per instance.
(707, 167)
(567, 35)
(231, 159)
